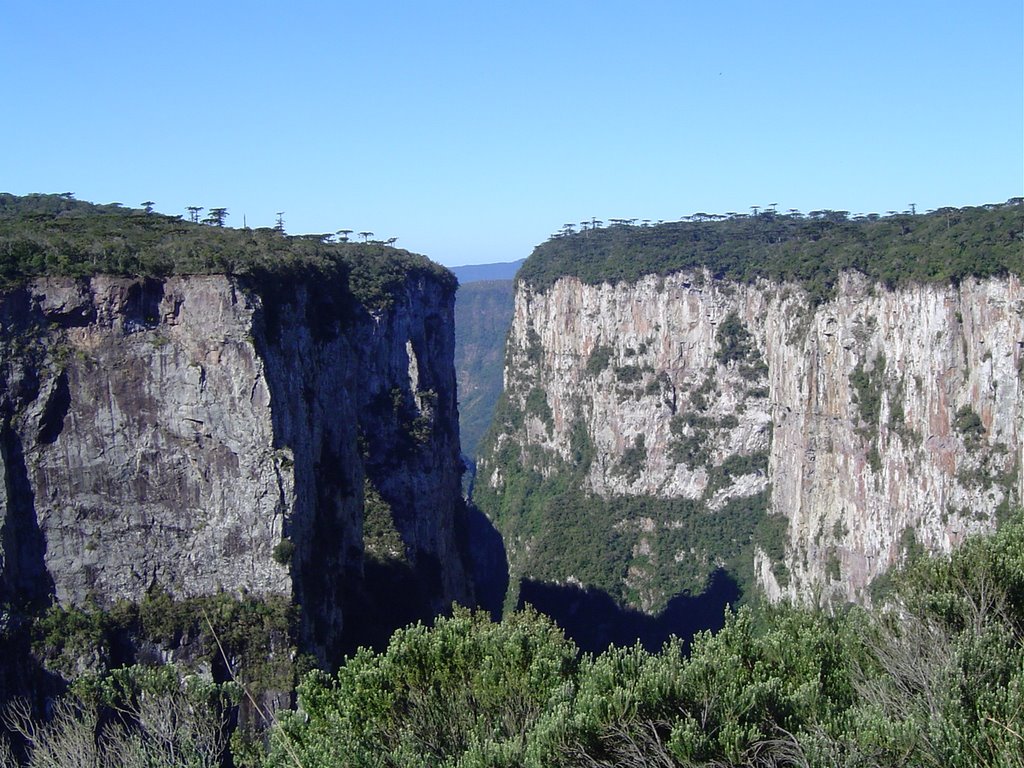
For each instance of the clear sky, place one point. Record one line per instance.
(472, 130)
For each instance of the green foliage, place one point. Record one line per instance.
(946, 246)
(968, 423)
(692, 432)
(537, 405)
(934, 679)
(534, 348)
(420, 429)
(133, 717)
(64, 635)
(735, 344)
(937, 682)
(633, 460)
(737, 465)
(833, 567)
(692, 450)
(381, 538)
(628, 374)
(910, 547)
(898, 413)
(943, 677)
(744, 688)
(253, 633)
(555, 528)
(698, 396)
(772, 534)
(51, 235)
(599, 358)
(868, 386)
(412, 414)
(283, 552)
(466, 692)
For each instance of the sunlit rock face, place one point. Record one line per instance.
(172, 433)
(879, 422)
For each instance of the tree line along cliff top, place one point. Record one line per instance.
(56, 235)
(941, 246)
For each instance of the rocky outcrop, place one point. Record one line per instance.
(204, 433)
(866, 426)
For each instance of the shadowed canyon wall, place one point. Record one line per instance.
(203, 433)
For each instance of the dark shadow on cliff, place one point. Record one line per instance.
(391, 594)
(483, 552)
(24, 579)
(21, 674)
(593, 620)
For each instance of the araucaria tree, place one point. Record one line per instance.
(216, 217)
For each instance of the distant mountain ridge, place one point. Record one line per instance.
(474, 273)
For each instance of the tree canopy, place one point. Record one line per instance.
(56, 235)
(946, 245)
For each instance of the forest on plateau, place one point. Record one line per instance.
(58, 236)
(939, 246)
(933, 678)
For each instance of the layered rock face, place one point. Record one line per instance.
(196, 434)
(873, 424)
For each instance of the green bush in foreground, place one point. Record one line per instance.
(135, 717)
(934, 679)
(937, 679)
(466, 692)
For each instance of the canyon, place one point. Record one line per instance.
(275, 419)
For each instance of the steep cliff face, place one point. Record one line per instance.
(202, 433)
(713, 423)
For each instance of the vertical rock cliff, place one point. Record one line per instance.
(193, 434)
(806, 446)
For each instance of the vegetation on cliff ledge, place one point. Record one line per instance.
(54, 235)
(946, 245)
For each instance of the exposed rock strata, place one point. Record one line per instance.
(172, 433)
(888, 419)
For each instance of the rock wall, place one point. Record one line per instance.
(197, 434)
(879, 422)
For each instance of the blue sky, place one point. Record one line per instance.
(472, 130)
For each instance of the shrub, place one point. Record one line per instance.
(466, 692)
(283, 552)
(599, 358)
